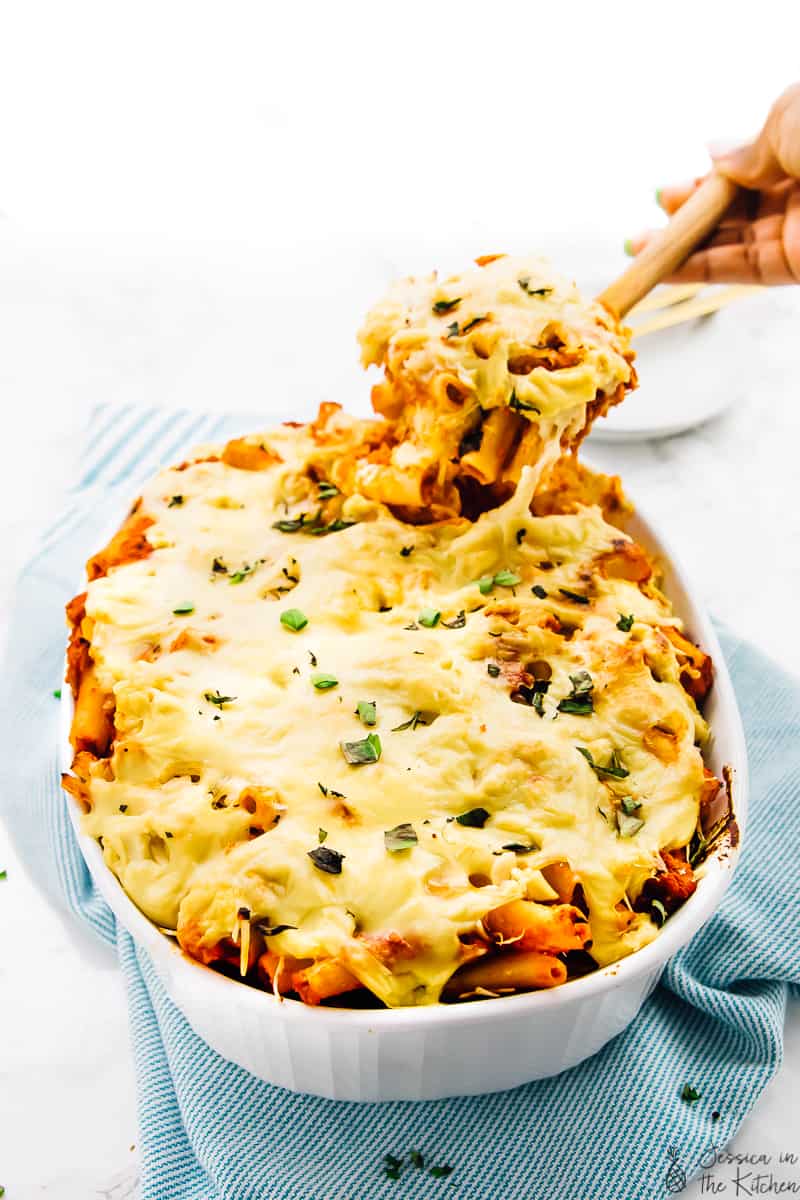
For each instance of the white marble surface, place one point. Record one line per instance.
(211, 325)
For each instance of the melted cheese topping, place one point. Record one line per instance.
(509, 334)
(221, 729)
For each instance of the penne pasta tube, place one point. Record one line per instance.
(499, 430)
(128, 544)
(518, 972)
(93, 718)
(324, 978)
(532, 926)
(527, 453)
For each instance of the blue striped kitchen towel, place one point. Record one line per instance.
(613, 1128)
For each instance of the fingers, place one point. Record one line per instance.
(755, 262)
(672, 198)
(775, 153)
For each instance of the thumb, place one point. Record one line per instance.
(775, 153)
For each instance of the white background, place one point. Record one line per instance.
(198, 200)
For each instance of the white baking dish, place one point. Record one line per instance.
(443, 1050)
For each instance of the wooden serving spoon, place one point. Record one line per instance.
(670, 248)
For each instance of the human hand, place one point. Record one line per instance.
(758, 239)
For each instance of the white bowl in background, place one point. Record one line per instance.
(434, 1051)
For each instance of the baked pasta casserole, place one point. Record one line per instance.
(370, 744)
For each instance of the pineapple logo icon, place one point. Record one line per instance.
(676, 1176)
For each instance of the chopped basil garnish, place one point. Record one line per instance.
(402, 837)
(629, 805)
(183, 610)
(272, 930)
(690, 1094)
(503, 578)
(507, 579)
(326, 859)
(538, 702)
(521, 405)
(57, 693)
(458, 621)
(240, 575)
(326, 791)
(175, 502)
(218, 567)
(493, 670)
(580, 702)
(417, 1158)
(624, 623)
(294, 619)
(323, 682)
(575, 596)
(441, 1172)
(406, 550)
(474, 818)
(366, 712)
(216, 698)
(628, 825)
(539, 591)
(429, 617)
(321, 835)
(520, 536)
(3, 873)
(525, 283)
(454, 331)
(445, 306)
(417, 718)
(326, 490)
(614, 768)
(658, 910)
(521, 847)
(367, 750)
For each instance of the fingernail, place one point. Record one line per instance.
(629, 247)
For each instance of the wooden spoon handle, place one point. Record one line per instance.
(670, 248)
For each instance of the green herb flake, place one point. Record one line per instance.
(539, 591)
(327, 860)
(326, 791)
(57, 694)
(367, 750)
(216, 698)
(624, 623)
(393, 1161)
(366, 711)
(689, 1094)
(417, 718)
(417, 1158)
(401, 837)
(429, 617)
(521, 405)
(580, 702)
(485, 584)
(440, 1172)
(323, 682)
(406, 550)
(218, 567)
(452, 330)
(525, 283)
(493, 670)
(321, 835)
(441, 307)
(628, 826)
(629, 805)
(614, 768)
(657, 910)
(175, 502)
(326, 491)
(392, 1172)
(576, 597)
(3, 873)
(272, 930)
(521, 847)
(507, 579)
(520, 536)
(538, 703)
(458, 621)
(474, 818)
(183, 610)
(294, 619)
